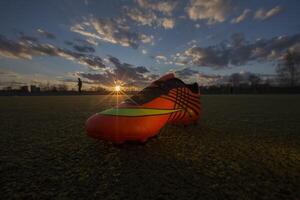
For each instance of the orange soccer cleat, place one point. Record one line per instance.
(167, 100)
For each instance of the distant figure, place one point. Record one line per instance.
(79, 85)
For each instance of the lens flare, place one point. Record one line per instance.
(118, 88)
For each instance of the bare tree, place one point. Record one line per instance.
(288, 69)
(254, 79)
(235, 79)
(62, 87)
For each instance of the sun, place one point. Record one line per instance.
(118, 88)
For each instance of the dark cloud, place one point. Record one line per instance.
(11, 49)
(84, 48)
(238, 51)
(93, 61)
(46, 34)
(27, 48)
(69, 43)
(129, 74)
(87, 41)
(125, 71)
(186, 72)
(115, 61)
(81, 45)
(142, 69)
(238, 39)
(26, 38)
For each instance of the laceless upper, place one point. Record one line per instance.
(160, 87)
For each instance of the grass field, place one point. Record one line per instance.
(245, 147)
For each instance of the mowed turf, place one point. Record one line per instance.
(245, 147)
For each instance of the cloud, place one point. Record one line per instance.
(80, 28)
(81, 45)
(114, 31)
(238, 51)
(180, 59)
(8, 74)
(263, 14)
(69, 43)
(148, 18)
(168, 23)
(128, 74)
(46, 34)
(213, 11)
(197, 25)
(186, 72)
(91, 41)
(94, 62)
(144, 51)
(142, 18)
(26, 49)
(14, 50)
(160, 58)
(125, 71)
(165, 7)
(141, 69)
(87, 41)
(242, 17)
(84, 48)
(26, 38)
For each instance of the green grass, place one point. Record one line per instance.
(245, 147)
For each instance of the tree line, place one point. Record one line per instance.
(287, 80)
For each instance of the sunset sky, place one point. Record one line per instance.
(136, 41)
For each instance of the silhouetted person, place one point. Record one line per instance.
(79, 85)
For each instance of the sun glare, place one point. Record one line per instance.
(117, 88)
